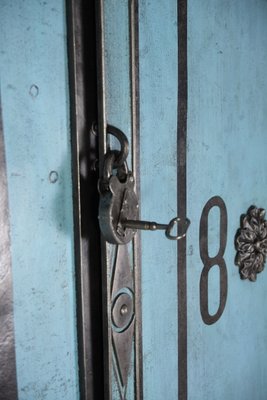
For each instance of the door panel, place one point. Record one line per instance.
(127, 92)
(196, 76)
(158, 166)
(35, 107)
(227, 137)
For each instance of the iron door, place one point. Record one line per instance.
(186, 82)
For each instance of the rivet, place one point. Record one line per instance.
(34, 91)
(53, 176)
(124, 309)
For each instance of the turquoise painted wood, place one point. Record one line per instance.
(226, 141)
(227, 138)
(158, 127)
(158, 121)
(35, 100)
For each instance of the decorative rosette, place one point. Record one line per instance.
(251, 243)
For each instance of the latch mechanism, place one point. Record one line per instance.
(118, 208)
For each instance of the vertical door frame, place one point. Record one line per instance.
(83, 113)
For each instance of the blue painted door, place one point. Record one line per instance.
(38, 203)
(186, 82)
(227, 137)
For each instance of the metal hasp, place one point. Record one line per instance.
(118, 208)
(251, 243)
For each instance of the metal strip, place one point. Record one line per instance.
(83, 98)
(8, 378)
(106, 249)
(102, 124)
(135, 109)
(181, 185)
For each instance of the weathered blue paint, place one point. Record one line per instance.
(158, 128)
(158, 132)
(117, 98)
(227, 122)
(34, 84)
(158, 124)
(117, 66)
(227, 139)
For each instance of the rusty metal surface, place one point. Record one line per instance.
(8, 381)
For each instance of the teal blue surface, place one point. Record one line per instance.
(227, 141)
(227, 138)
(158, 132)
(117, 65)
(117, 97)
(34, 90)
(158, 122)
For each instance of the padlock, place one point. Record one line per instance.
(118, 206)
(118, 202)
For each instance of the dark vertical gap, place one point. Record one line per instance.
(181, 185)
(81, 29)
(102, 149)
(8, 377)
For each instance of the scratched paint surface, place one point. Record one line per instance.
(118, 113)
(227, 140)
(158, 121)
(158, 131)
(34, 88)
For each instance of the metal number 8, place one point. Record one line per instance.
(210, 262)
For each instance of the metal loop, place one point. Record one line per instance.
(109, 166)
(171, 225)
(123, 172)
(122, 154)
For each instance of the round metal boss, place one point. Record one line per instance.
(122, 311)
